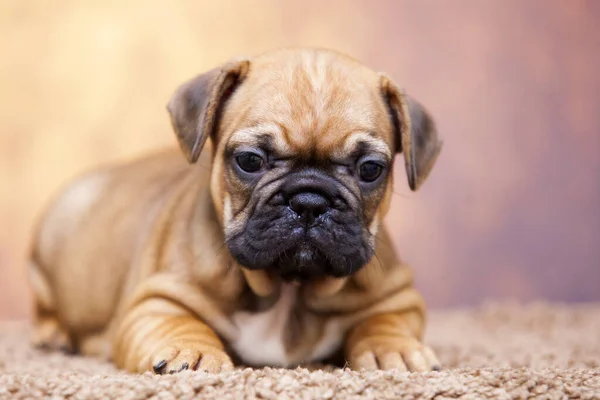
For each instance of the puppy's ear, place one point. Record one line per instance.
(196, 106)
(415, 132)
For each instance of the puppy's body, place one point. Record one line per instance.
(155, 264)
(92, 235)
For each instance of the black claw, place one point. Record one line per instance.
(436, 368)
(184, 367)
(159, 366)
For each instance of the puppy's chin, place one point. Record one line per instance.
(302, 263)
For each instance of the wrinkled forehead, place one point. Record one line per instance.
(312, 107)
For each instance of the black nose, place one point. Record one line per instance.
(309, 205)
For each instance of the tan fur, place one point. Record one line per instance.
(129, 262)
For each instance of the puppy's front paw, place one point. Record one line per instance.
(191, 356)
(390, 352)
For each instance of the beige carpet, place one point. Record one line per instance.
(501, 352)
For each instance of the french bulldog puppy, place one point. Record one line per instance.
(265, 247)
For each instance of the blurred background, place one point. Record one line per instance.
(512, 209)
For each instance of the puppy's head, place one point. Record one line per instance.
(303, 149)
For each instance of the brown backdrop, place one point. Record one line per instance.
(512, 209)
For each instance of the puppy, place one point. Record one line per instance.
(266, 248)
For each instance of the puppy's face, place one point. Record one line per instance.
(302, 164)
(305, 156)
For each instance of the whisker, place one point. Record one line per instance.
(404, 195)
(382, 242)
(379, 261)
(219, 248)
(376, 256)
(204, 166)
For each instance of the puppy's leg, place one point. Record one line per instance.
(165, 337)
(390, 341)
(48, 334)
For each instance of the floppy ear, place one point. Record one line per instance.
(196, 106)
(415, 133)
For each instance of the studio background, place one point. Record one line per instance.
(512, 208)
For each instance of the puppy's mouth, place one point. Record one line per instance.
(302, 263)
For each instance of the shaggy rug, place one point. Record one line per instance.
(505, 351)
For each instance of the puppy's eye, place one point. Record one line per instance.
(249, 162)
(369, 171)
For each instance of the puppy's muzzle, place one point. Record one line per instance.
(309, 198)
(308, 228)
